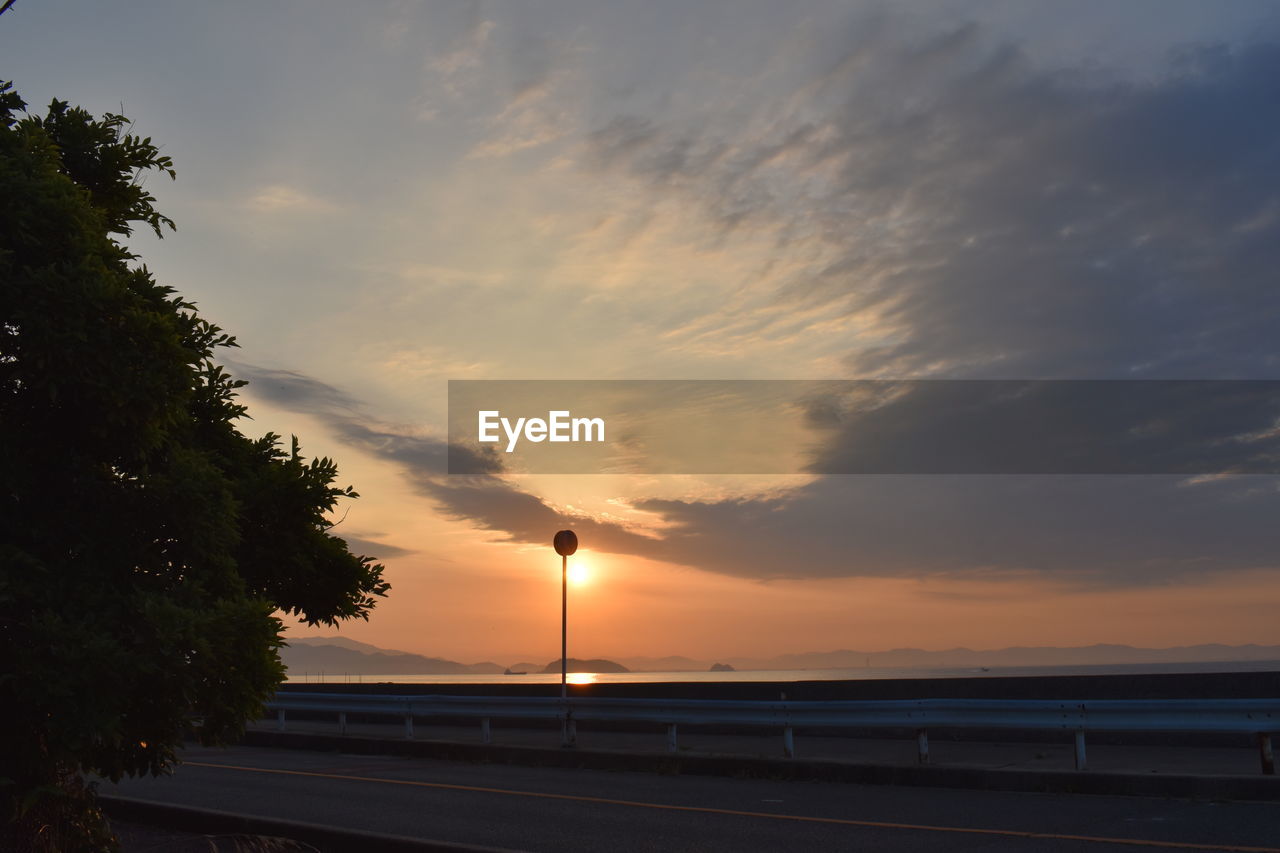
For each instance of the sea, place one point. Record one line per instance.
(783, 676)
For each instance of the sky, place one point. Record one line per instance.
(377, 198)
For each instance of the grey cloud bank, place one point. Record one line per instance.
(998, 219)
(1093, 530)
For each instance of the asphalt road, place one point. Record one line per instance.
(549, 809)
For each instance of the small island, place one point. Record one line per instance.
(722, 667)
(593, 665)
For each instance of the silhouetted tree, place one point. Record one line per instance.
(145, 543)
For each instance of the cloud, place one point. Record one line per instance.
(939, 204)
(1102, 530)
(425, 361)
(1054, 427)
(294, 391)
(997, 218)
(496, 505)
(1094, 530)
(480, 497)
(422, 456)
(378, 550)
(279, 198)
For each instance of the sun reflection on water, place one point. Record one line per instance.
(582, 678)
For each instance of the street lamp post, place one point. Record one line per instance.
(566, 542)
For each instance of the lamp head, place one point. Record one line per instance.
(566, 543)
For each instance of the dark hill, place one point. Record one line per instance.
(336, 660)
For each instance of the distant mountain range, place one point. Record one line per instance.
(1100, 654)
(339, 655)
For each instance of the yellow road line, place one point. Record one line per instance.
(872, 824)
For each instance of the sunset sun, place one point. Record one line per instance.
(579, 573)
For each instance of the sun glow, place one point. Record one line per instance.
(579, 573)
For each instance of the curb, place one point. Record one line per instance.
(327, 839)
(1040, 781)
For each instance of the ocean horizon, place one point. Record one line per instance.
(783, 676)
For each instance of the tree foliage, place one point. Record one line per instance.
(145, 543)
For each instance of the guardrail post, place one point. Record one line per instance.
(342, 722)
(486, 736)
(280, 719)
(1080, 761)
(408, 726)
(788, 743)
(672, 745)
(922, 746)
(1265, 753)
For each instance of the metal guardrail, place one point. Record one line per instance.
(1259, 717)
